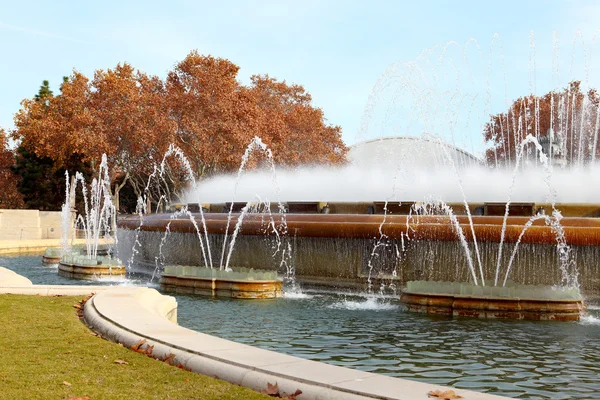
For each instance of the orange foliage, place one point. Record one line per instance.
(9, 194)
(297, 132)
(201, 107)
(216, 118)
(58, 126)
(131, 122)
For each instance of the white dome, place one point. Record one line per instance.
(409, 153)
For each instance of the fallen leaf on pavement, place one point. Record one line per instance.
(170, 359)
(271, 390)
(136, 347)
(293, 396)
(444, 394)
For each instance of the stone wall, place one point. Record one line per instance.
(29, 224)
(50, 224)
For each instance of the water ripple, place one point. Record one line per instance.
(512, 358)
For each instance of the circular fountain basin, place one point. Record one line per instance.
(89, 272)
(240, 283)
(528, 302)
(50, 260)
(52, 256)
(81, 267)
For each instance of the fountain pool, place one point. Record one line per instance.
(512, 358)
(47, 274)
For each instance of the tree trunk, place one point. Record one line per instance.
(116, 201)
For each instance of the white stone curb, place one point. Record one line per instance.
(53, 290)
(127, 315)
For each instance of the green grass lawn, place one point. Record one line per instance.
(48, 353)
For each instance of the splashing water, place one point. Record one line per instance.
(157, 182)
(587, 319)
(296, 295)
(369, 304)
(157, 177)
(280, 229)
(99, 211)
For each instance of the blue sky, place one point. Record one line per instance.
(336, 49)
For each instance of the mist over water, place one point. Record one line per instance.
(354, 184)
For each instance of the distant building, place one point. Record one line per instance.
(409, 153)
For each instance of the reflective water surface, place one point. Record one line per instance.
(558, 360)
(47, 274)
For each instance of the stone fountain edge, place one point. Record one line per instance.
(128, 317)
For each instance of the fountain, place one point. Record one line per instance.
(334, 242)
(452, 217)
(93, 260)
(201, 277)
(530, 302)
(447, 234)
(52, 256)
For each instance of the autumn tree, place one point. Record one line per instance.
(216, 117)
(131, 124)
(566, 120)
(42, 177)
(9, 195)
(295, 130)
(57, 126)
(201, 108)
(120, 113)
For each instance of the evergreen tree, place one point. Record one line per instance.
(39, 185)
(44, 91)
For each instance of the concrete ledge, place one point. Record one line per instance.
(34, 246)
(13, 283)
(493, 307)
(12, 279)
(52, 290)
(218, 287)
(162, 306)
(128, 315)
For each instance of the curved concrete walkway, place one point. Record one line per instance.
(129, 314)
(13, 283)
